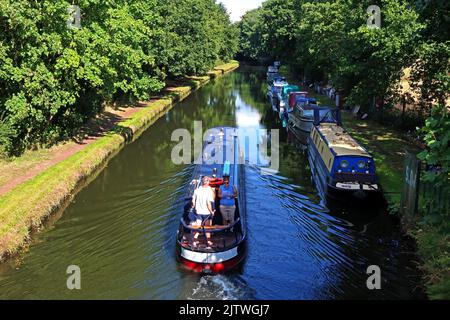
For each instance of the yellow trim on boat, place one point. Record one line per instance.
(323, 149)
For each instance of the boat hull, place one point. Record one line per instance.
(214, 262)
(300, 127)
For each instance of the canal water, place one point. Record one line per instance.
(120, 229)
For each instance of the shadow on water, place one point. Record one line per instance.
(121, 228)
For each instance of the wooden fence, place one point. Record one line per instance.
(420, 195)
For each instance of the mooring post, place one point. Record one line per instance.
(410, 196)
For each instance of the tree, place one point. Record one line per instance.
(53, 79)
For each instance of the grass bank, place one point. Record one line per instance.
(388, 147)
(25, 208)
(433, 242)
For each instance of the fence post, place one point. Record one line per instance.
(410, 195)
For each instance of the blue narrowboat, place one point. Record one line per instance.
(215, 247)
(340, 166)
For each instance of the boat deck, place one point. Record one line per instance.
(341, 142)
(221, 242)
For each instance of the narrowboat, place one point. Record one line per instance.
(217, 248)
(275, 90)
(284, 96)
(301, 118)
(282, 106)
(272, 69)
(295, 97)
(272, 74)
(340, 166)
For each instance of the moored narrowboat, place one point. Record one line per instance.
(295, 97)
(272, 74)
(217, 246)
(301, 119)
(282, 106)
(340, 166)
(283, 96)
(275, 90)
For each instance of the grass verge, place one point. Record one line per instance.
(24, 208)
(388, 147)
(433, 243)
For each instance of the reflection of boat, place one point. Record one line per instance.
(228, 247)
(340, 166)
(301, 119)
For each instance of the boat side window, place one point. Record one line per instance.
(308, 113)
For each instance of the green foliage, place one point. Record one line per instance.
(53, 79)
(250, 36)
(196, 35)
(437, 137)
(434, 248)
(329, 41)
(431, 74)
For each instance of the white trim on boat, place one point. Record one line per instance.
(216, 257)
(348, 186)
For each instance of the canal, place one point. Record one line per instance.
(120, 229)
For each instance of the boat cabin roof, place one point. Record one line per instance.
(280, 83)
(296, 93)
(290, 88)
(340, 141)
(301, 99)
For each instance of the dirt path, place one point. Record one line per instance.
(13, 173)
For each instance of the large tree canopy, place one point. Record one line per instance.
(53, 78)
(331, 41)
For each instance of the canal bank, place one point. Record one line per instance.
(25, 207)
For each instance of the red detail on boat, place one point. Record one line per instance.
(215, 183)
(293, 97)
(214, 268)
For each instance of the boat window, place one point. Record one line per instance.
(308, 113)
(326, 115)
